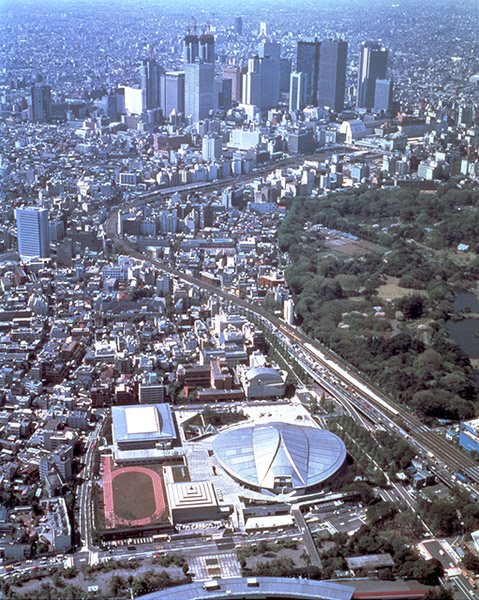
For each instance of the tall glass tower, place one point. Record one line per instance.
(199, 58)
(33, 232)
(332, 74)
(307, 61)
(373, 65)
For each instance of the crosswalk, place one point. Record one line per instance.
(130, 541)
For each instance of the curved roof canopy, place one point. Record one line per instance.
(275, 455)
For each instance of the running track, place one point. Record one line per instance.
(111, 519)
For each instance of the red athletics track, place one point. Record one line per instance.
(111, 519)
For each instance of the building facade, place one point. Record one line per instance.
(307, 61)
(297, 91)
(41, 103)
(332, 74)
(33, 232)
(373, 65)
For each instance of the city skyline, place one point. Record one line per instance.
(239, 307)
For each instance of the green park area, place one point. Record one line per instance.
(385, 310)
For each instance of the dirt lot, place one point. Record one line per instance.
(352, 247)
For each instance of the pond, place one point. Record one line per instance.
(465, 333)
(466, 300)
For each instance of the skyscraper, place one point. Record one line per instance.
(252, 83)
(307, 61)
(235, 74)
(33, 232)
(271, 51)
(383, 95)
(332, 74)
(238, 26)
(297, 91)
(373, 65)
(261, 82)
(284, 74)
(150, 83)
(41, 103)
(199, 90)
(199, 55)
(172, 92)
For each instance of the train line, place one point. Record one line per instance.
(438, 449)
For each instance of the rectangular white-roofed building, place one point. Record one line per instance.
(142, 433)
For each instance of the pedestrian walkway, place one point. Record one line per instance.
(212, 566)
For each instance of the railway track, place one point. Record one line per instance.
(437, 448)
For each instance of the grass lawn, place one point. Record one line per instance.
(180, 473)
(133, 496)
(391, 290)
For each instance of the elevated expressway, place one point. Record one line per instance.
(361, 394)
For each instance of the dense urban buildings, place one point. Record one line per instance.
(238, 275)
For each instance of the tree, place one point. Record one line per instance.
(428, 571)
(470, 562)
(470, 516)
(116, 585)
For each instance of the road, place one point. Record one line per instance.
(84, 493)
(306, 535)
(365, 397)
(443, 552)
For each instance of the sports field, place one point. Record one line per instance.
(132, 495)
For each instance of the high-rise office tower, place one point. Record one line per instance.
(252, 83)
(271, 51)
(261, 82)
(199, 55)
(284, 74)
(199, 90)
(238, 26)
(41, 103)
(172, 92)
(150, 73)
(190, 48)
(465, 115)
(383, 95)
(235, 74)
(297, 91)
(207, 48)
(224, 93)
(33, 232)
(373, 65)
(332, 74)
(307, 61)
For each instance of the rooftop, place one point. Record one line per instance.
(149, 421)
(264, 587)
(274, 455)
